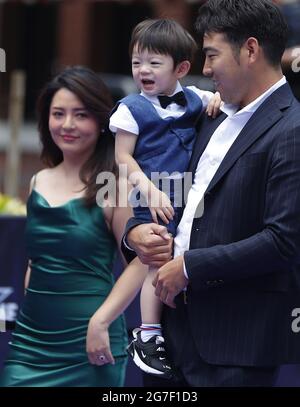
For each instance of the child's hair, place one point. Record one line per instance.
(163, 36)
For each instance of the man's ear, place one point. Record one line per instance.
(182, 69)
(252, 49)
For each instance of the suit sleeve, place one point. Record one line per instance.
(275, 248)
(129, 254)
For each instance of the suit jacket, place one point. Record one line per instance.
(243, 261)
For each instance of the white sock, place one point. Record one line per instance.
(149, 330)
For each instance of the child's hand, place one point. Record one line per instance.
(213, 108)
(160, 205)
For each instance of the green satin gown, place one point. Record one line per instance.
(72, 253)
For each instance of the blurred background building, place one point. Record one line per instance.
(41, 36)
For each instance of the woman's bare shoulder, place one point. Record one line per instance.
(43, 177)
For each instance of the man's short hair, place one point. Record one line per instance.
(240, 19)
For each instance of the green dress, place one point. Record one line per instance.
(72, 253)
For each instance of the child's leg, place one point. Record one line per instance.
(151, 308)
(151, 305)
(147, 348)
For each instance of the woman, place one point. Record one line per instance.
(71, 244)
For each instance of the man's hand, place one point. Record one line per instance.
(170, 281)
(152, 243)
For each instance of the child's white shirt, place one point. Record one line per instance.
(123, 119)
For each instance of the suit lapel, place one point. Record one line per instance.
(261, 121)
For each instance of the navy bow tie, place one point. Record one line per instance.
(178, 98)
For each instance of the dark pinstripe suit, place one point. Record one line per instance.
(243, 257)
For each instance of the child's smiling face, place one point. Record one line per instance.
(154, 73)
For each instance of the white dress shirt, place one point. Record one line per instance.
(209, 162)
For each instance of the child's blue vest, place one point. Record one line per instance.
(163, 144)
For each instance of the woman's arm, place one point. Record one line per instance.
(122, 294)
(130, 281)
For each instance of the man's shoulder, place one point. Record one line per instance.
(295, 106)
(285, 100)
(291, 115)
(203, 120)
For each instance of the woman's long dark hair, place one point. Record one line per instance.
(96, 98)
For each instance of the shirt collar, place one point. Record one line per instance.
(231, 109)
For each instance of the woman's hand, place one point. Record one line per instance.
(97, 343)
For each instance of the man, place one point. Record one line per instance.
(238, 261)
